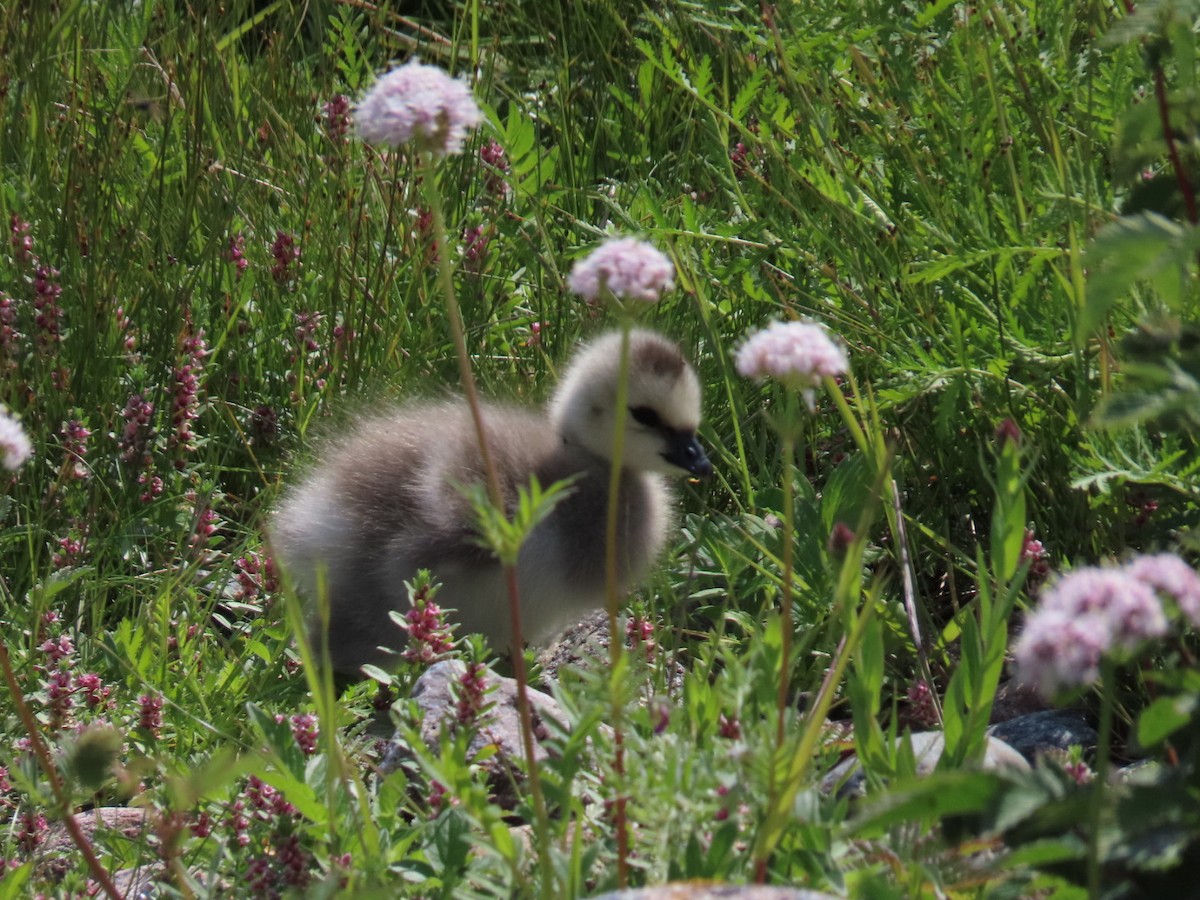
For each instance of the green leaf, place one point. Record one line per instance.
(14, 884)
(1136, 248)
(1164, 717)
(934, 797)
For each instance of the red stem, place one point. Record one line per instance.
(42, 752)
(1164, 114)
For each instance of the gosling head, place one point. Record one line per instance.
(662, 410)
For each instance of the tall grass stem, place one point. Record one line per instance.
(495, 494)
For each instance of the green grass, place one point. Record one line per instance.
(924, 179)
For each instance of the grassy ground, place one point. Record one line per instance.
(206, 270)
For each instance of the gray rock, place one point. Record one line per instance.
(585, 647)
(1052, 729)
(499, 727)
(1016, 699)
(58, 854)
(848, 780)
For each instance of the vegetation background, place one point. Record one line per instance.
(205, 271)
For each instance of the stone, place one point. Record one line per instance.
(848, 779)
(1036, 733)
(498, 729)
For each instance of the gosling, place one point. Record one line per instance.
(387, 500)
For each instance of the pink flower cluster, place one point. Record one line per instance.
(134, 442)
(287, 258)
(75, 437)
(10, 336)
(255, 576)
(625, 269)
(20, 239)
(799, 354)
(495, 160)
(61, 685)
(14, 443)
(337, 118)
(47, 310)
(429, 637)
(1095, 612)
(185, 400)
(236, 254)
(472, 690)
(418, 103)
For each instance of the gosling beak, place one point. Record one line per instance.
(684, 451)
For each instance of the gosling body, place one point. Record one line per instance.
(386, 500)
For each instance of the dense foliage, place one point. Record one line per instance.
(990, 205)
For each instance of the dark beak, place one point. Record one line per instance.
(684, 450)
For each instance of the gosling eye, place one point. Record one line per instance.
(644, 415)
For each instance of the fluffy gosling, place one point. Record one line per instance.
(384, 501)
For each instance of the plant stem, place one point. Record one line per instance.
(785, 597)
(612, 601)
(42, 752)
(457, 332)
(495, 494)
(1181, 176)
(1100, 782)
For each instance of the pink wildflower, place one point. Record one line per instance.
(1170, 575)
(153, 487)
(14, 443)
(47, 311)
(475, 242)
(1087, 614)
(286, 254)
(58, 650)
(10, 337)
(32, 830)
(306, 330)
(1034, 552)
(129, 339)
(236, 254)
(21, 240)
(738, 158)
(201, 826)
(799, 354)
(418, 103)
(1056, 651)
(1126, 607)
(306, 732)
(428, 635)
(472, 688)
(70, 549)
(59, 689)
(185, 401)
(729, 727)
(135, 436)
(253, 576)
(922, 708)
(337, 118)
(95, 692)
(625, 269)
(492, 155)
(150, 713)
(74, 442)
(639, 631)
(207, 523)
